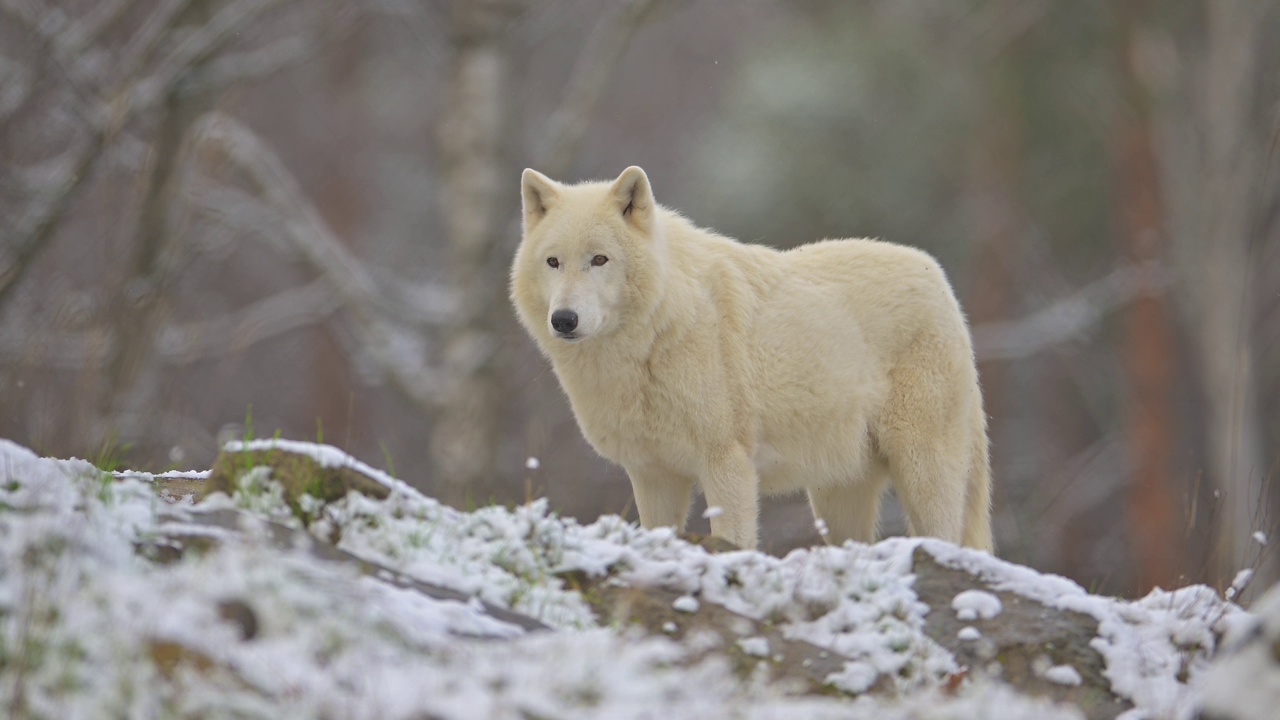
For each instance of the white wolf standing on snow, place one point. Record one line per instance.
(690, 358)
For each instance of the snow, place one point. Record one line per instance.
(712, 511)
(167, 475)
(1063, 675)
(1245, 684)
(331, 642)
(974, 604)
(685, 604)
(856, 677)
(1241, 579)
(968, 632)
(755, 646)
(1260, 537)
(532, 463)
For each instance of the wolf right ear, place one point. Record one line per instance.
(538, 193)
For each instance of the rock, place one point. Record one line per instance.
(710, 543)
(298, 474)
(1024, 636)
(241, 614)
(794, 665)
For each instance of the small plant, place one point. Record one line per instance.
(110, 455)
(248, 423)
(386, 459)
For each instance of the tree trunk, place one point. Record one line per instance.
(1148, 343)
(464, 438)
(1217, 273)
(998, 226)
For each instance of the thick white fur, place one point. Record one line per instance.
(836, 367)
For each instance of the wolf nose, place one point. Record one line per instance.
(564, 321)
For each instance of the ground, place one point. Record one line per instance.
(283, 594)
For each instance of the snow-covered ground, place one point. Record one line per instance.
(90, 626)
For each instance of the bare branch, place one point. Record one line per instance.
(143, 43)
(392, 348)
(26, 13)
(17, 86)
(285, 311)
(56, 350)
(35, 228)
(306, 231)
(238, 211)
(100, 16)
(303, 224)
(588, 82)
(198, 47)
(1069, 318)
(185, 343)
(251, 64)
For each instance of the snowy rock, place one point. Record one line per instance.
(386, 603)
(309, 475)
(1027, 629)
(1244, 684)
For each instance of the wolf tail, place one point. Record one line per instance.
(977, 510)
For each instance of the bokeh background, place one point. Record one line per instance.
(231, 217)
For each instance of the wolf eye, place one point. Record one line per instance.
(553, 262)
(599, 260)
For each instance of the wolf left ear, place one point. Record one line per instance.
(537, 193)
(634, 197)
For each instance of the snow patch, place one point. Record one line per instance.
(856, 677)
(755, 646)
(685, 604)
(974, 604)
(1063, 675)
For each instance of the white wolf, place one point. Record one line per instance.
(690, 358)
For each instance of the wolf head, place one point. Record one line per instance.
(588, 259)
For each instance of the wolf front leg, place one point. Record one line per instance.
(730, 484)
(661, 498)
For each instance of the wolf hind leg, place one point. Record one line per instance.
(930, 484)
(851, 511)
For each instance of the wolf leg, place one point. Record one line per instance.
(661, 498)
(852, 511)
(730, 484)
(930, 482)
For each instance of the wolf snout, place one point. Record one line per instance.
(564, 321)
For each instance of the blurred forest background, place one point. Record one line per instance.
(300, 214)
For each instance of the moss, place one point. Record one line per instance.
(298, 475)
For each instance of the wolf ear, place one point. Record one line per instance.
(538, 193)
(634, 197)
